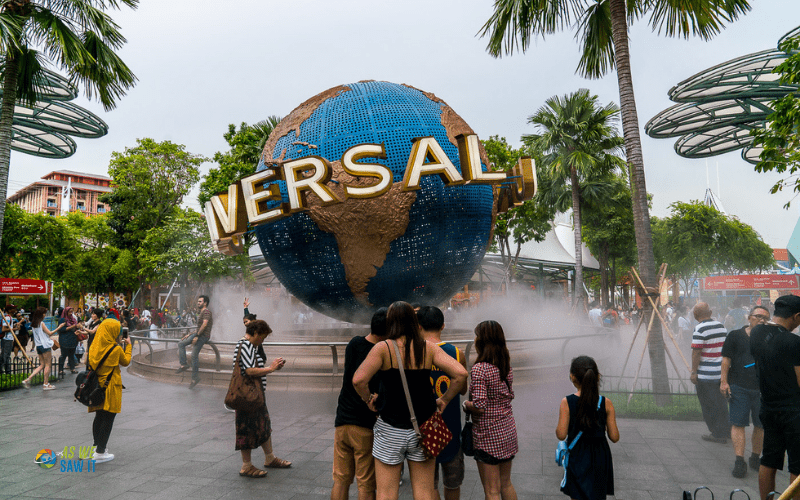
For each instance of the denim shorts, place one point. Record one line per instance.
(42, 350)
(743, 403)
(484, 458)
(452, 472)
(781, 437)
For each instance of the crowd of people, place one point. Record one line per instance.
(751, 373)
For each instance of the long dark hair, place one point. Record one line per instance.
(585, 371)
(490, 344)
(401, 322)
(37, 316)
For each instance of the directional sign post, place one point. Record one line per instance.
(21, 286)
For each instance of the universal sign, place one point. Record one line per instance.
(228, 215)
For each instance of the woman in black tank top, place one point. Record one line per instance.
(394, 439)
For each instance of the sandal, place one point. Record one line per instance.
(278, 463)
(253, 471)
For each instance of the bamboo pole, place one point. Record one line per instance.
(663, 321)
(630, 349)
(639, 368)
(789, 492)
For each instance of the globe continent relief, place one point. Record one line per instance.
(347, 259)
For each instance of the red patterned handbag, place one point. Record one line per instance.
(433, 435)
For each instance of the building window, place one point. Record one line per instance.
(81, 205)
(51, 204)
(101, 209)
(51, 214)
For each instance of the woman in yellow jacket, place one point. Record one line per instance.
(105, 339)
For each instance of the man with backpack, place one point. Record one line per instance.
(777, 354)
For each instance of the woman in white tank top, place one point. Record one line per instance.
(44, 346)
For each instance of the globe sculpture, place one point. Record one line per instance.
(346, 260)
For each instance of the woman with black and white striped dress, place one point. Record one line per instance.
(253, 428)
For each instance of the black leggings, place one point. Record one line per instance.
(101, 429)
(67, 353)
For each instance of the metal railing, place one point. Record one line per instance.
(173, 335)
(20, 368)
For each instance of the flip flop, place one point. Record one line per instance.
(253, 472)
(278, 463)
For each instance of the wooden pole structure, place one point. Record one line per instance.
(639, 368)
(789, 492)
(663, 322)
(630, 349)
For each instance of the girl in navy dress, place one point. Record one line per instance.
(590, 472)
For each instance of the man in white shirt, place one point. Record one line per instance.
(595, 313)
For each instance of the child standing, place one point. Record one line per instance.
(590, 472)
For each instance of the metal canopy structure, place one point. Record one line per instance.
(46, 128)
(717, 108)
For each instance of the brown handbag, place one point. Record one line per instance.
(244, 392)
(433, 435)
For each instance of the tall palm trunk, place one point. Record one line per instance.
(641, 215)
(576, 221)
(6, 119)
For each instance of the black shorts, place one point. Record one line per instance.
(485, 458)
(781, 436)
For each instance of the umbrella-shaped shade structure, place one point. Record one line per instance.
(45, 128)
(717, 108)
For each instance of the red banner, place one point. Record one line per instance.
(19, 286)
(751, 282)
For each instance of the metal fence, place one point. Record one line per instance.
(21, 368)
(640, 401)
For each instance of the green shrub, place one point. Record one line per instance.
(684, 406)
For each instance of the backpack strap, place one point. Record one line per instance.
(574, 442)
(103, 360)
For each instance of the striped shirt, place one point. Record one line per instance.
(709, 337)
(252, 357)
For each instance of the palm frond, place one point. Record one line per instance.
(515, 23)
(30, 77)
(58, 36)
(596, 38)
(105, 76)
(703, 18)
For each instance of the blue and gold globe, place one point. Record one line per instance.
(346, 260)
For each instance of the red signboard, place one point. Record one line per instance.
(15, 286)
(751, 282)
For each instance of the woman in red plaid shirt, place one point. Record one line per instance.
(494, 431)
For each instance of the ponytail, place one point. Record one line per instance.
(584, 369)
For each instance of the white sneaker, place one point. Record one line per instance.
(48, 387)
(99, 458)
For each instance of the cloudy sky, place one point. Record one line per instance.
(203, 65)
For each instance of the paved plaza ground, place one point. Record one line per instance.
(171, 442)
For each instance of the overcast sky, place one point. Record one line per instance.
(203, 65)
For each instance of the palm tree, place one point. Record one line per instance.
(578, 141)
(78, 36)
(602, 27)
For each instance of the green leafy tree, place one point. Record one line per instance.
(246, 144)
(79, 37)
(602, 27)
(179, 249)
(37, 246)
(529, 221)
(578, 140)
(609, 235)
(780, 139)
(149, 183)
(697, 239)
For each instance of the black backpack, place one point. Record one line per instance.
(89, 391)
